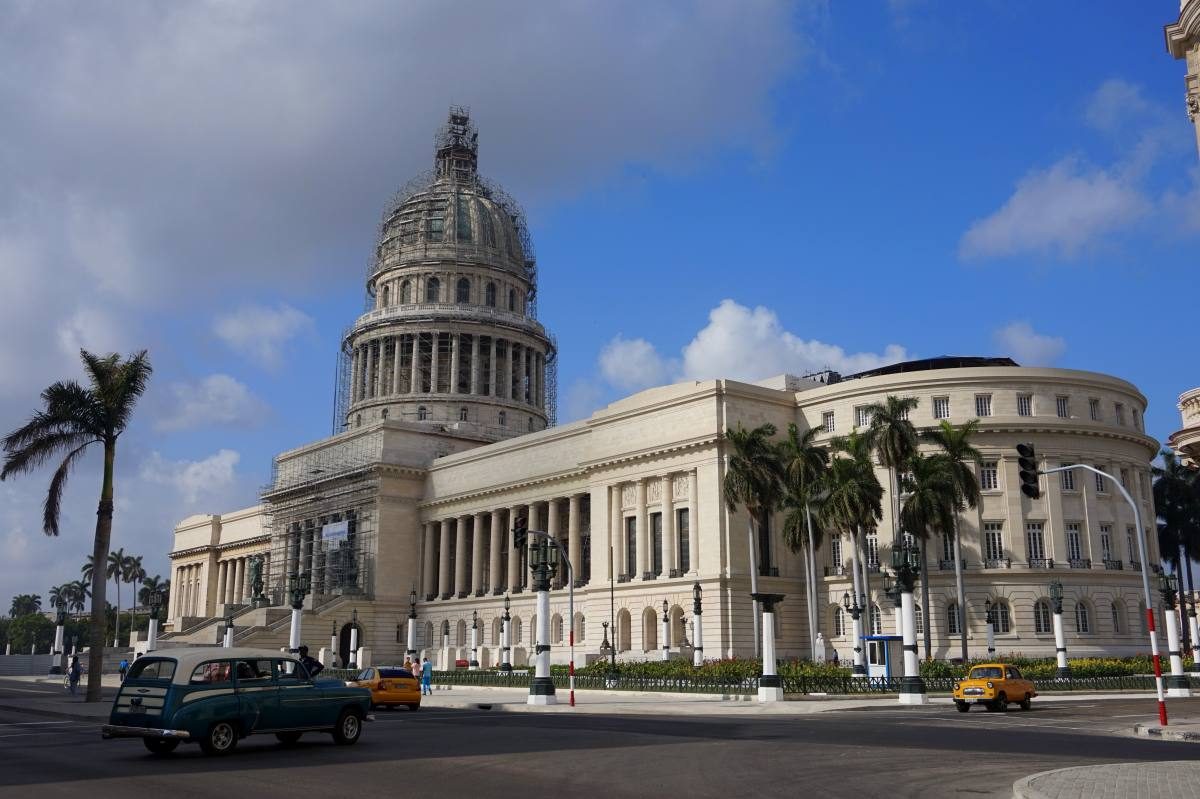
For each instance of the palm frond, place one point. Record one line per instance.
(34, 454)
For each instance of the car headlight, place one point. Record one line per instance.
(957, 686)
(989, 685)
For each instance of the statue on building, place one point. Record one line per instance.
(256, 581)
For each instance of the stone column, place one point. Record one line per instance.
(372, 368)
(552, 528)
(414, 385)
(668, 528)
(354, 367)
(455, 350)
(616, 521)
(222, 580)
(475, 365)
(495, 362)
(693, 522)
(515, 578)
(574, 539)
(460, 557)
(535, 523)
(397, 347)
(494, 548)
(428, 576)
(236, 569)
(433, 363)
(444, 587)
(520, 372)
(643, 532)
(477, 553)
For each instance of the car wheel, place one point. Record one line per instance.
(348, 728)
(161, 746)
(1026, 703)
(1001, 703)
(221, 739)
(963, 707)
(288, 738)
(415, 706)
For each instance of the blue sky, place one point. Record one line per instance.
(713, 190)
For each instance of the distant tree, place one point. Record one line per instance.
(24, 604)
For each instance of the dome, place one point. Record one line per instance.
(451, 212)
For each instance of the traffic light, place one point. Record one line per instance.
(1027, 464)
(520, 532)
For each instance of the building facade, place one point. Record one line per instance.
(399, 502)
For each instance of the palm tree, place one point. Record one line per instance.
(894, 440)
(804, 464)
(77, 595)
(1177, 501)
(25, 604)
(133, 572)
(858, 448)
(955, 443)
(115, 569)
(58, 596)
(853, 500)
(87, 568)
(75, 417)
(754, 479)
(152, 587)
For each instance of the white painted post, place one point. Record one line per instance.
(412, 637)
(769, 687)
(333, 648)
(354, 647)
(228, 643)
(1194, 628)
(447, 661)
(294, 635)
(58, 640)
(1177, 683)
(152, 635)
(991, 637)
(666, 638)
(473, 664)
(912, 689)
(697, 640)
(1060, 644)
(860, 668)
(541, 669)
(505, 654)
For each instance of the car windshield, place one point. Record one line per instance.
(366, 674)
(152, 669)
(985, 673)
(394, 673)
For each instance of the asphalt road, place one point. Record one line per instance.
(924, 752)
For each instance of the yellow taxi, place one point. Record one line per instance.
(993, 685)
(390, 686)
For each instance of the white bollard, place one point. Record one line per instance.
(770, 689)
(1177, 683)
(152, 635)
(698, 641)
(912, 689)
(294, 635)
(354, 648)
(1060, 645)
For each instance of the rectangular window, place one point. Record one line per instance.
(872, 548)
(827, 423)
(631, 545)
(682, 522)
(1074, 546)
(435, 228)
(835, 551)
(1106, 542)
(1131, 544)
(948, 547)
(1094, 409)
(1101, 483)
(862, 418)
(1137, 424)
(1067, 478)
(1024, 405)
(656, 543)
(1119, 408)
(1063, 406)
(989, 476)
(1035, 541)
(993, 540)
(941, 407)
(983, 404)
(1125, 479)
(1145, 485)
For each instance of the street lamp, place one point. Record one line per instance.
(228, 643)
(853, 606)
(1060, 641)
(1177, 683)
(543, 563)
(906, 561)
(333, 641)
(892, 592)
(298, 585)
(666, 632)
(505, 632)
(152, 628)
(990, 618)
(697, 629)
(354, 638)
(446, 663)
(411, 650)
(474, 664)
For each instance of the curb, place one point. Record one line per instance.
(37, 711)
(1155, 732)
(1023, 788)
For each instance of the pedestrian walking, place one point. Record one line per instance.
(426, 677)
(73, 673)
(124, 667)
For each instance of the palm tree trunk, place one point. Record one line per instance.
(813, 616)
(104, 514)
(925, 600)
(866, 580)
(1191, 597)
(854, 575)
(117, 616)
(959, 593)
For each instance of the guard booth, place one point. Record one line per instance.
(885, 655)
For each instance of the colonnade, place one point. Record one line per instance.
(189, 587)
(448, 362)
(233, 581)
(187, 598)
(657, 530)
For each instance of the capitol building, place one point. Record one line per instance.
(445, 433)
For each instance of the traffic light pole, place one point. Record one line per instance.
(1141, 540)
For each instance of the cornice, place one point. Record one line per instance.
(1183, 31)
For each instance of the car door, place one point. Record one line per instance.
(257, 689)
(301, 702)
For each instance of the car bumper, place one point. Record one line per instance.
(122, 731)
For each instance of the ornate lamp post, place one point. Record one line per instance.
(697, 629)
(152, 628)
(228, 642)
(666, 632)
(411, 652)
(543, 563)
(906, 560)
(990, 618)
(447, 664)
(60, 620)
(333, 642)
(505, 643)
(354, 639)
(298, 589)
(853, 606)
(892, 592)
(1060, 641)
(1177, 683)
(474, 664)
(770, 687)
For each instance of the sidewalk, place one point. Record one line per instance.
(1165, 780)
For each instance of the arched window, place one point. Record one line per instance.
(876, 621)
(920, 620)
(497, 623)
(1117, 613)
(406, 292)
(433, 289)
(422, 413)
(1002, 617)
(387, 294)
(580, 627)
(462, 414)
(460, 633)
(1041, 617)
(514, 632)
(502, 418)
(649, 630)
(624, 635)
(952, 626)
(1083, 622)
(489, 295)
(512, 299)
(839, 622)
(428, 639)
(556, 629)
(462, 293)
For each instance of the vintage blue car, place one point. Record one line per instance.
(215, 696)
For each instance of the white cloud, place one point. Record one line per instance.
(1028, 347)
(1116, 103)
(215, 400)
(1061, 211)
(193, 479)
(260, 333)
(633, 364)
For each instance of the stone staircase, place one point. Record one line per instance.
(258, 628)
